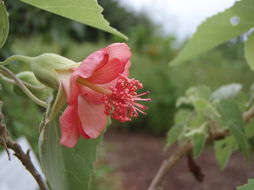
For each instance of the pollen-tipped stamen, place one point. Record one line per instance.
(121, 103)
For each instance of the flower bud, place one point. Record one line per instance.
(37, 88)
(46, 65)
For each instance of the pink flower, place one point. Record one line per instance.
(98, 87)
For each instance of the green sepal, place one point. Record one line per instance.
(45, 68)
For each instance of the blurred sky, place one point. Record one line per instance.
(180, 17)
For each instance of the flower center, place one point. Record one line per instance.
(121, 103)
(121, 100)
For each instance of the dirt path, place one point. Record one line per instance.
(138, 157)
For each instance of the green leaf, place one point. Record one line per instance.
(248, 51)
(252, 89)
(198, 140)
(232, 116)
(174, 133)
(182, 100)
(200, 104)
(182, 115)
(218, 29)
(67, 168)
(223, 150)
(249, 186)
(181, 119)
(193, 94)
(201, 91)
(249, 129)
(198, 123)
(4, 24)
(84, 11)
(226, 91)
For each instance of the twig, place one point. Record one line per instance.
(168, 164)
(3, 132)
(195, 169)
(7, 142)
(247, 116)
(27, 162)
(184, 150)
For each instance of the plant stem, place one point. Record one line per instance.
(13, 58)
(27, 162)
(11, 81)
(247, 116)
(23, 87)
(168, 164)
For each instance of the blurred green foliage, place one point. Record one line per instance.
(22, 117)
(46, 32)
(27, 21)
(34, 31)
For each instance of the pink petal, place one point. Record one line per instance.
(93, 62)
(127, 69)
(113, 82)
(69, 123)
(92, 117)
(108, 72)
(74, 90)
(91, 95)
(119, 51)
(71, 94)
(118, 63)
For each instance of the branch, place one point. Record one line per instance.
(168, 164)
(7, 142)
(247, 116)
(195, 169)
(184, 150)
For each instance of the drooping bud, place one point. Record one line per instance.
(37, 88)
(46, 65)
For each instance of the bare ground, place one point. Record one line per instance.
(137, 157)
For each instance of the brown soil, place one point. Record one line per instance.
(137, 157)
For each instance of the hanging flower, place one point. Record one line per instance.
(98, 87)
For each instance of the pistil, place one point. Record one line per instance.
(94, 87)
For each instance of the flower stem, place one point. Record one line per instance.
(13, 58)
(11, 81)
(23, 87)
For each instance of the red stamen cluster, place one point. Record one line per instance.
(121, 103)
